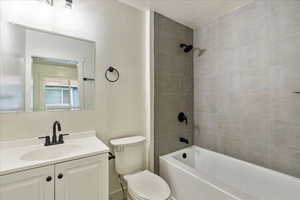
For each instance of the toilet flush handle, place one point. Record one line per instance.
(111, 156)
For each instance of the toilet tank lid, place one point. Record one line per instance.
(127, 140)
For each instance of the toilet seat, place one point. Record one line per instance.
(147, 186)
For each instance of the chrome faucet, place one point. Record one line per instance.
(55, 141)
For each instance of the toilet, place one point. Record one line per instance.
(129, 163)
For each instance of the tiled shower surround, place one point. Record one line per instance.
(173, 73)
(245, 105)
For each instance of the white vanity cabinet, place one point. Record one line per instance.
(85, 178)
(35, 184)
(82, 179)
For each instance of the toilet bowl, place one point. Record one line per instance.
(146, 185)
(141, 184)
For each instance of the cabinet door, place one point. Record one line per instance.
(28, 185)
(82, 179)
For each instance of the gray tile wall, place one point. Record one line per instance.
(173, 86)
(244, 101)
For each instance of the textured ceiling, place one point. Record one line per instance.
(192, 13)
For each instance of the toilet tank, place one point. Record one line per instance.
(130, 153)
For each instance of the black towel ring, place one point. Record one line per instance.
(112, 69)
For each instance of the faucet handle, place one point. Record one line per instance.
(47, 140)
(182, 117)
(61, 138)
(184, 140)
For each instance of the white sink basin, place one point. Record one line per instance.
(30, 153)
(51, 152)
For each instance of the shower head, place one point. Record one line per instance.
(186, 48)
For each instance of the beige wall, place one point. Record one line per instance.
(245, 104)
(119, 34)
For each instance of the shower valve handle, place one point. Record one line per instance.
(182, 117)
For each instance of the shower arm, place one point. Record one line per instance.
(200, 51)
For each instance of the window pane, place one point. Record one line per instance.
(61, 94)
(75, 97)
(66, 98)
(53, 96)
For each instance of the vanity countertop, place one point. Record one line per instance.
(31, 153)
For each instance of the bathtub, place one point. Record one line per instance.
(206, 175)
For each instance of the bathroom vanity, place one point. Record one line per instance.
(75, 170)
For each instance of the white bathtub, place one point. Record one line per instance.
(206, 175)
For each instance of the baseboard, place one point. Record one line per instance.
(116, 195)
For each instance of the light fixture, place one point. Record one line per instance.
(69, 4)
(49, 2)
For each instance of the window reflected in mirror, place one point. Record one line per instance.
(42, 71)
(55, 84)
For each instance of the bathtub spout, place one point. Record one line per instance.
(184, 140)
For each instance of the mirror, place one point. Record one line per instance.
(42, 71)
